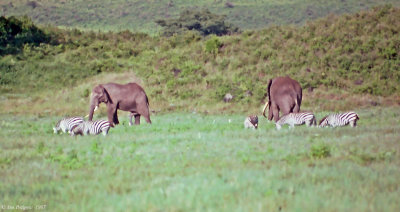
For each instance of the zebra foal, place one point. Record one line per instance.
(91, 128)
(296, 119)
(66, 124)
(339, 119)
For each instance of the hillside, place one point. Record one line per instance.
(140, 15)
(342, 62)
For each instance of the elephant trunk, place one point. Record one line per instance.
(265, 107)
(91, 111)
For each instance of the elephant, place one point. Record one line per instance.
(284, 94)
(128, 97)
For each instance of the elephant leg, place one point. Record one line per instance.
(275, 111)
(115, 117)
(137, 119)
(296, 108)
(130, 118)
(270, 114)
(111, 114)
(144, 111)
(286, 109)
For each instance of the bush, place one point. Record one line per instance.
(212, 45)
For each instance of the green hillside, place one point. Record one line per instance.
(342, 62)
(140, 15)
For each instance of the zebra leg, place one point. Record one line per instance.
(291, 126)
(105, 131)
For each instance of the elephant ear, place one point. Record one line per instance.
(106, 95)
(103, 95)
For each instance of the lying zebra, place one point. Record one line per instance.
(296, 119)
(251, 122)
(91, 128)
(339, 119)
(66, 124)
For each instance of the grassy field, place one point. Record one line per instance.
(197, 162)
(342, 62)
(140, 15)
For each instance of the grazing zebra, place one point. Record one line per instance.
(339, 119)
(251, 122)
(66, 124)
(91, 128)
(296, 119)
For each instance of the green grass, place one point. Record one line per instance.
(196, 162)
(140, 15)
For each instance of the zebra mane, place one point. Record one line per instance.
(322, 120)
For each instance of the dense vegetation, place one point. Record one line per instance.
(194, 162)
(350, 54)
(140, 15)
(14, 33)
(203, 22)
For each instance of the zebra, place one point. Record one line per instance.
(251, 122)
(296, 119)
(66, 124)
(340, 119)
(91, 128)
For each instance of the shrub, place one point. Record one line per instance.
(212, 45)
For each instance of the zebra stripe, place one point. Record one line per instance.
(67, 124)
(92, 128)
(296, 119)
(339, 119)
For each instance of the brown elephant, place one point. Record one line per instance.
(129, 97)
(284, 94)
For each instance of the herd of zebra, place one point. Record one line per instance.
(78, 126)
(291, 119)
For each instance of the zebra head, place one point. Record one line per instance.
(254, 120)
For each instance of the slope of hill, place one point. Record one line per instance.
(338, 59)
(139, 15)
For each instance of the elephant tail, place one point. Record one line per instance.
(265, 107)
